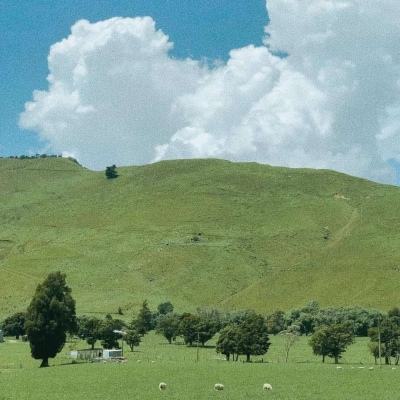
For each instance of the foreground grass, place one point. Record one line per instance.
(304, 377)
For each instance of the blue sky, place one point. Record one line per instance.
(118, 92)
(199, 28)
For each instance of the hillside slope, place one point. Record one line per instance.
(270, 237)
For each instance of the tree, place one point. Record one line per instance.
(305, 317)
(132, 338)
(227, 343)
(253, 336)
(14, 325)
(276, 322)
(168, 326)
(165, 308)
(111, 172)
(188, 328)
(374, 349)
(389, 332)
(109, 339)
(331, 341)
(50, 316)
(89, 329)
(144, 321)
(290, 335)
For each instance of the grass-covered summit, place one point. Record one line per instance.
(199, 233)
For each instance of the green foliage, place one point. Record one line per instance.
(50, 315)
(188, 328)
(89, 329)
(132, 338)
(248, 336)
(310, 317)
(276, 322)
(228, 340)
(253, 336)
(145, 319)
(388, 332)
(165, 308)
(111, 172)
(168, 326)
(109, 339)
(14, 325)
(331, 341)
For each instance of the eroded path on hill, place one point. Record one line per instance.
(346, 230)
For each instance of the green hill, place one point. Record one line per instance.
(199, 233)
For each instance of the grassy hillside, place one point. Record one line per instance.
(270, 237)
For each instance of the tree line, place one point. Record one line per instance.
(51, 316)
(41, 155)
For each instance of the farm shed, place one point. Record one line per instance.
(95, 354)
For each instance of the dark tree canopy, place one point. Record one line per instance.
(276, 322)
(144, 321)
(228, 340)
(389, 333)
(109, 339)
(14, 325)
(50, 316)
(248, 336)
(165, 308)
(111, 172)
(253, 336)
(132, 338)
(188, 328)
(331, 341)
(168, 326)
(89, 329)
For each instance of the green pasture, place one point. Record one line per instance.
(272, 238)
(155, 361)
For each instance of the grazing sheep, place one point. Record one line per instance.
(267, 386)
(162, 386)
(371, 368)
(338, 367)
(218, 386)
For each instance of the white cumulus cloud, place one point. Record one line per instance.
(116, 95)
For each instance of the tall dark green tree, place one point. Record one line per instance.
(111, 172)
(332, 341)
(144, 321)
(50, 316)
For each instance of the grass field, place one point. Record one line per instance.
(271, 237)
(304, 377)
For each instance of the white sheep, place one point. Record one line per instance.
(218, 386)
(267, 386)
(162, 386)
